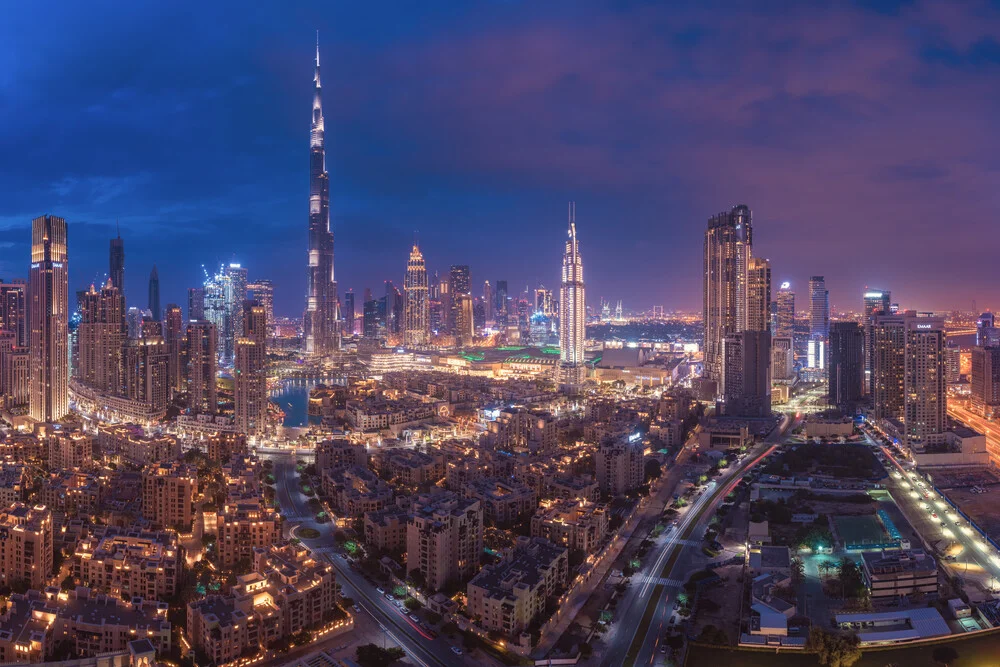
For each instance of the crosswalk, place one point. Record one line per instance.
(658, 581)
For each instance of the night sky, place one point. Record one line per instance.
(864, 139)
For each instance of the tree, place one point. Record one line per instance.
(798, 570)
(653, 470)
(713, 635)
(372, 655)
(944, 655)
(833, 650)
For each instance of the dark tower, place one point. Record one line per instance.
(154, 294)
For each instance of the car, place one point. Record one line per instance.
(357, 609)
(663, 648)
(456, 650)
(413, 617)
(390, 597)
(380, 591)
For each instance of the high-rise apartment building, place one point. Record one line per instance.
(168, 495)
(728, 249)
(782, 359)
(572, 309)
(846, 371)
(348, 313)
(759, 295)
(101, 335)
(747, 373)
(619, 465)
(116, 263)
(196, 303)
(784, 326)
(322, 335)
(876, 302)
(459, 282)
(26, 552)
(416, 329)
(464, 320)
(48, 290)
(173, 336)
(394, 309)
(251, 371)
(489, 304)
(234, 288)
(500, 310)
(154, 294)
(262, 291)
(910, 382)
(145, 363)
(819, 308)
(444, 538)
(987, 335)
(984, 381)
(13, 311)
(202, 355)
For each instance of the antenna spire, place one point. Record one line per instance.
(317, 48)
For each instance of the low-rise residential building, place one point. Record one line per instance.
(95, 623)
(576, 525)
(509, 596)
(620, 465)
(893, 575)
(385, 530)
(168, 494)
(524, 430)
(14, 480)
(338, 453)
(73, 493)
(223, 445)
(356, 490)
(444, 538)
(243, 523)
(504, 501)
(130, 563)
(70, 449)
(26, 553)
(409, 466)
(129, 442)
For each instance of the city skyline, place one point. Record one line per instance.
(168, 219)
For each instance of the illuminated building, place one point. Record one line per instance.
(578, 525)
(459, 284)
(348, 313)
(876, 302)
(12, 311)
(543, 301)
(48, 290)
(987, 335)
(816, 353)
(819, 309)
(385, 530)
(489, 304)
(244, 523)
(784, 326)
(168, 495)
(503, 501)
(500, 312)
(416, 329)
(509, 596)
(101, 338)
(619, 465)
(394, 309)
(747, 373)
(145, 370)
(371, 327)
(759, 295)
(464, 320)
(201, 367)
(69, 450)
(133, 323)
(952, 363)
(116, 263)
(234, 286)
(322, 335)
(173, 336)
(572, 309)
(847, 363)
(130, 563)
(444, 538)
(984, 381)
(154, 294)
(196, 303)
(26, 545)
(782, 359)
(910, 383)
(250, 370)
(262, 291)
(728, 247)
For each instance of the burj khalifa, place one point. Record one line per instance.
(322, 335)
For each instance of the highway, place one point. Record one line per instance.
(648, 601)
(421, 648)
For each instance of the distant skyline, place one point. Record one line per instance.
(863, 139)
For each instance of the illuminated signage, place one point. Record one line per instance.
(785, 285)
(35, 266)
(924, 326)
(634, 437)
(873, 295)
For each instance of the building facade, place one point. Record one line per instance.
(416, 328)
(572, 309)
(48, 290)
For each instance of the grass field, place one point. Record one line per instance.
(978, 650)
(860, 530)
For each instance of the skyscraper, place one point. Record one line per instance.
(348, 313)
(459, 283)
(416, 328)
(196, 303)
(48, 288)
(154, 294)
(101, 339)
(747, 368)
(785, 312)
(464, 320)
(145, 364)
(173, 336)
(235, 295)
(819, 308)
(489, 304)
(728, 247)
(250, 377)
(202, 354)
(501, 313)
(759, 295)
(394, 307)
(572, 308)
(319, 323)
(987, 335)
(876, 302)
(846, 367)
(984, 381)
(116, 263)
(13, 314)
(262, 291)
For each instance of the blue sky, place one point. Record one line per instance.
(863, 137)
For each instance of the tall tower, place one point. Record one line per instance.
(154, 294)
(48, 288)
(234, 296)
(101, 338)
(728, 248)
(250, 377)
(759, 295)
(819, 308)
(784, 326)
(173, 335)
(876, 302)
(572, 308)
(116, 263)
(202, 351)
(846, 370)
(416, 328)
(322, 334)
